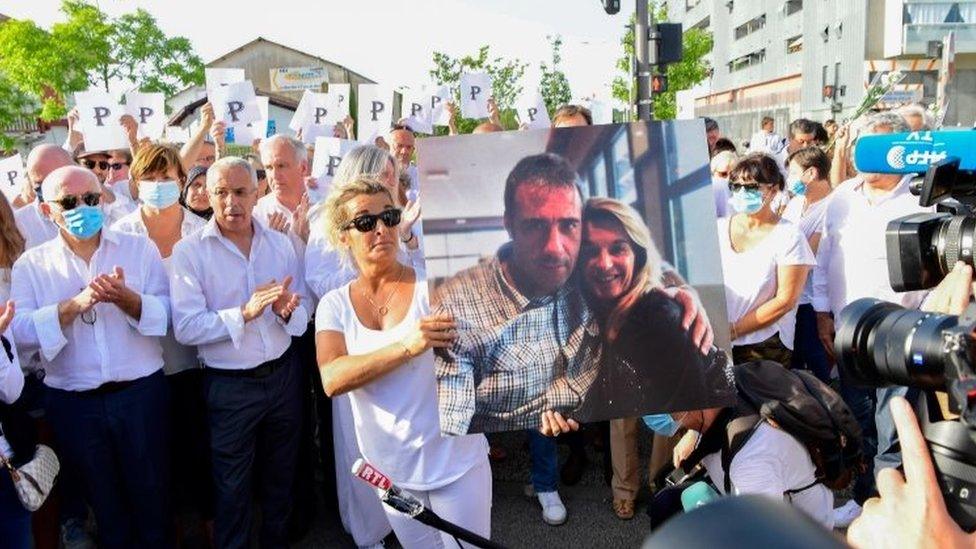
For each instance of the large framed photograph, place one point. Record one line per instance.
(581, 266)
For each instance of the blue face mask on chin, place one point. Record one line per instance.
(84, 222)
(798, 187)
(662, 424)
(747, 201)
(159, 194)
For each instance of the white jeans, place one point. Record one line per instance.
(465, 502)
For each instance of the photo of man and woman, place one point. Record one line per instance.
(581, 268)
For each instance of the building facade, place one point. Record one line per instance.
(816, 58)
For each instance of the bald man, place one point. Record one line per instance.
(94, 303)
(34, 225)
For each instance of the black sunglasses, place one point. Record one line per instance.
(90, 164)
(70, 202)
(117, 165)
(366, 223)
(747, 186)
(261, 174)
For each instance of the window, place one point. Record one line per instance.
(747, 60)
(793, 6)
(689, 4)
(823, 82)
(750, 26)
(794, 44)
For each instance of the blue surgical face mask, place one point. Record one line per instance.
(159, 194)
(84, 221)
(662, 424)
(798, 187)
(747, 201)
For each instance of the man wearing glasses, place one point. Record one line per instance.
(239, 296)
(115, 204)
(93, 303)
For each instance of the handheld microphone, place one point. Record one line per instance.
(409, 505)
(907, 153)
(698, 494)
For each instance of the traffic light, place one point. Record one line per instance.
(659, 83)
(668, 43)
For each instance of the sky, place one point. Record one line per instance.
(391, 41)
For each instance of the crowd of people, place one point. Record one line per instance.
(180, 325)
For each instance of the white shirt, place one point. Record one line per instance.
(212, 280)
(176, 357)
(770, 463)
(115, 347)
(766, 142)
(396, 416)
(34, 226)
(852, 259)
(269, 204)
(11, 384)
(751, 276)
(720, 189)
(810, 222)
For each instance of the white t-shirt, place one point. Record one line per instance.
(396, 416)
(750, 276)
(810, 223)
(770, 463)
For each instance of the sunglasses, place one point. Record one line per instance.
(366, 223)
(747, 186)
(90, 164)
(261, 174)
(70, 202)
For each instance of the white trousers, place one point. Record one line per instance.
(361, 511)
(465, 502)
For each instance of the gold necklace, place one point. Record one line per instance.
(384, 310)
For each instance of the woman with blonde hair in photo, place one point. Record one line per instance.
(374, 341)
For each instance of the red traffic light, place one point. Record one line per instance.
(659, 83)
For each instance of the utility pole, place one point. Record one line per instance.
(642, 48)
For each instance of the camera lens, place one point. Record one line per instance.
(954, 242)
(880, 343)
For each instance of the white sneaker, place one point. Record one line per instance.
(553, 510)
(845, 514)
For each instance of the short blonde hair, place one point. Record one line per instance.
(336, 214)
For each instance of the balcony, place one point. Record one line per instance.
(917, 37)
(921, 22)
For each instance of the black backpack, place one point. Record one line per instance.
(803, 406)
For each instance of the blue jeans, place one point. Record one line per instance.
(889, 451)
(15, 521)
(255, 427)
(808, 351)
(119, 442)
(544, 470)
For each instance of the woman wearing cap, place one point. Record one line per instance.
(158, 173)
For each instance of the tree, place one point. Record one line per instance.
(505, 81)
(554, 86)
(683, 75)
(90, 49)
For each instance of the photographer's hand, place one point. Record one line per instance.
(911, 512)
(952, 295)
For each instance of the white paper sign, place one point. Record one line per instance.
(216, 78)
(149, 110)
(601, 111)
(100, 114)
(316, 116)
(475, 91)
(177, 134)
(375, 111)
(329, 152)
(236, 103)
(416, 111)
(532, 111)
(245, 134)
(438, 105)
(340, 94)
(13, 176)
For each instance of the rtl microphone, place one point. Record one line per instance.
(913, 152)
(407, 504)
(698, 494)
